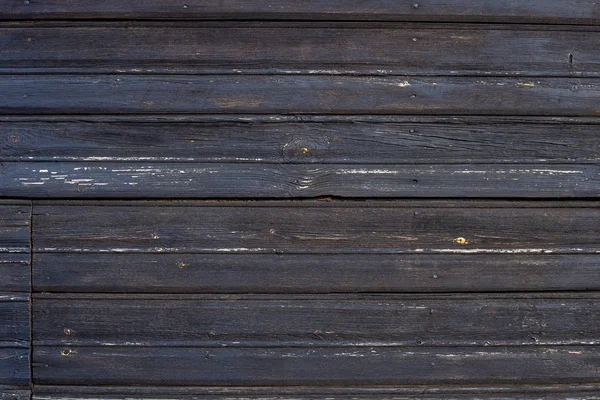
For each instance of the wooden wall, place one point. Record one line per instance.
(299, 199)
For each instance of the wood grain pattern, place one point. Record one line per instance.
(113, 365)
(317, 273)
(310, 140)
(333, 48)
(14, 314)
(307, 321)
(541, 11)
(319, 227)
(187, 180)
(405, 392)
(267, 94)
(14, 367)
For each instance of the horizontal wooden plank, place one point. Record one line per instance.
(316, 366)
(263, 94)
(318, 273)
(324, 321)
(261, 140)
(430, 392)
(7, 394)
(14, 231)
(317, 227)
(14, 367)
(299, 48)
(543, 11)
(251, 180)
(14, 314)
(15, 276)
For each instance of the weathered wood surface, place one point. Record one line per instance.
(187, 180)
(299, 140)
(15, 271)
(8, 394)
(431, 392)
(115, 365)
(317, 320)
(14, 317)
(14, 367)
(318, 94)
(452, 227)
(309, 48)
(316, 273)
(540, 11)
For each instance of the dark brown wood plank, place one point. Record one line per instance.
(196, 180)
(14, 367)
(299, 48)
(14, 314)
(265, 140)
(430, 392)
(309, 321)
(263, 94)
(315, 366)
(318, 273)
(318, 227)
(542, 11)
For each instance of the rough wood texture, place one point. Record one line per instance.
(14, 246)
(186, 180)
(306, 139)
(541, 11)
(467, 227)
(14, 367)
(262, 94)
(318, 273)
(6, 394)
(325, 320)
(114, 365)
(14, 314)
(432, 392)
(300, 48)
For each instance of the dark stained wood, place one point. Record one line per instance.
(319, 227)
(384, 140)
(15, 271)
(325, 320)
(318, 273)
(15, 276)
(431, 392)
(7, 394)
(14, 230)
(14, 367)
(542, 11)
(113, 365)
(14, 314)
(194, 180)
(264, 94)
(299, 48)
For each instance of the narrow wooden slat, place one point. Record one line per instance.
(261, 94)
(316, 366)
(14, 367)
(299, 48)
(14, 314)
(307, 322)
(431, 392)
(318, 227)
(320, 273)
(194, 180)
(14, 235)
(263, 140)
(7, 394)
(543, 11)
